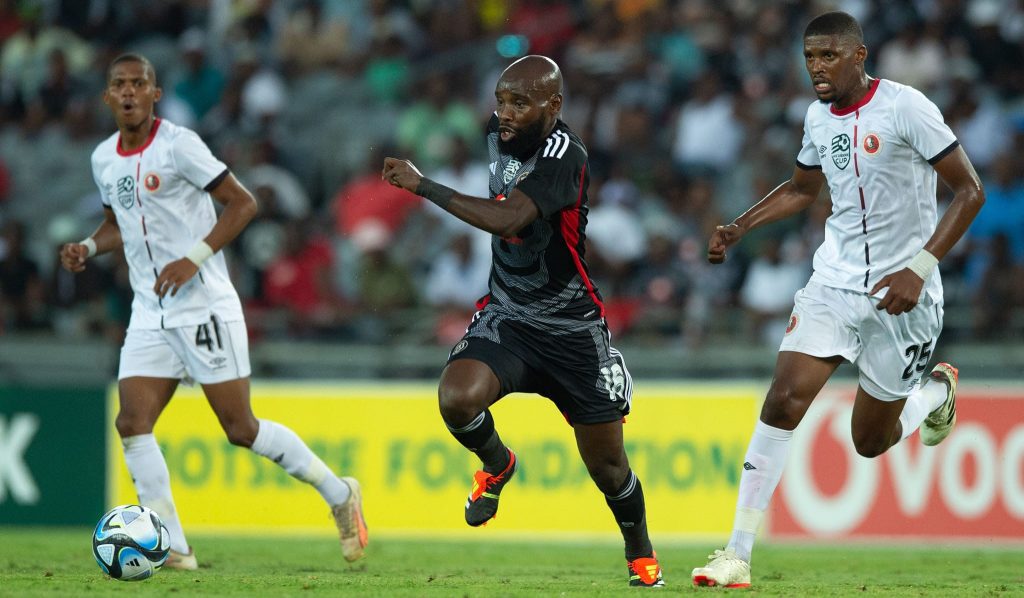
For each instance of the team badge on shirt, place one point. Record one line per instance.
(510, 170)
(841, 150)
(151, 181)
(872, 143)
(126, 191)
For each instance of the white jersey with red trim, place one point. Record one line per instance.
(878, 158)
(159, 194)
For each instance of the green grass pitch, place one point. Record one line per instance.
(58, 562)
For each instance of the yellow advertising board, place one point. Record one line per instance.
(685, 442)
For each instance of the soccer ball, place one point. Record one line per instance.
(130, 542)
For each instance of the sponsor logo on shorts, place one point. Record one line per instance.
(152, 181)
(459, 348)
(872, 143)
(793, 321)
(218, 362)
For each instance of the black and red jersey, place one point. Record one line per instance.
(541, 275)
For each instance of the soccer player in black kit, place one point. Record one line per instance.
(541, 329)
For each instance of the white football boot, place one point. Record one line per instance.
(181, 560)
(348, 516)
(724, 569)
(940, 422)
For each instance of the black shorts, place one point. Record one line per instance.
(579, 371)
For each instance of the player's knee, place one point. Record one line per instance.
(128, 424)
(870, 445)
(459, 404)
(241, 433)
(783, 408)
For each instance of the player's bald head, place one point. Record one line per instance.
(533, 74)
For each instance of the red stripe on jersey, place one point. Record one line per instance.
(571, 234)
(152, 133)
(863, 101)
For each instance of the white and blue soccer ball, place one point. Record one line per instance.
(130, 542)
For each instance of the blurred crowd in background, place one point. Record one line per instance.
(692, 110)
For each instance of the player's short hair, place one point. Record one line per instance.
(132, 57)
(835, 23)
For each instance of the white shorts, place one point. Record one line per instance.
(209, 353)
(890, 352)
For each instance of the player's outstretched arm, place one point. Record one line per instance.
(503, 218)
(106, 237)
(905, 285)
(239, 209)
(793, 196)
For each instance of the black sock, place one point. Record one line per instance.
(481, 438)
(628, 507)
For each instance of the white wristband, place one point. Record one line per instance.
(90, 246)
(923, 264)
(199, 253)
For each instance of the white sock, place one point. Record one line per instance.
(284, 447)
(152, 481)
(762, 470)
(922, 400)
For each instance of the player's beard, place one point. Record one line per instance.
(525, 142)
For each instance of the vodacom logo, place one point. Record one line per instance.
(973, 481)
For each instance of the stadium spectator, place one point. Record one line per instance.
(426, 128)
(202, 83)
(368, 198)
(22, 292)
(300, 279)
(708, 134)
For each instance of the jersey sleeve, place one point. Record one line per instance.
(554, 183)
(196, 162)
(808, 158)
(96, 179)
(919, 122)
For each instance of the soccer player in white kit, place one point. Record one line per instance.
(875, 297)
(156, 180)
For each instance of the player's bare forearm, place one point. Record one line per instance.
(789, 198)
(239, 209)
(969, 195)
(106, 237)
(503, 218)
(785, 200)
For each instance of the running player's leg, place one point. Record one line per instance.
(892, 400)
(604, 454)
(278, 443)
(797, 380)
(142, 399)
(222, 368)
(466, 390)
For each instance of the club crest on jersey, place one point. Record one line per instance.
(872, 143)
(841, 150)
(151, 181)
(126, 191)
(510, 170)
